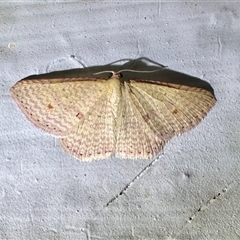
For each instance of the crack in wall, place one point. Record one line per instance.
(205, 206)
(140, 174)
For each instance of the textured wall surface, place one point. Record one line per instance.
(190, 192)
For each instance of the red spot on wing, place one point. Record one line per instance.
(175, 111)
(50, 106)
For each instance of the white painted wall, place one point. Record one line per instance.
(47, 194)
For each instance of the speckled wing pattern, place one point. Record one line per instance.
(101, 118)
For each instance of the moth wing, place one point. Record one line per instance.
(154, 112)
(57, 105)
(93, 138)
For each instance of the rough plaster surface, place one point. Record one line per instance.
(190, 192)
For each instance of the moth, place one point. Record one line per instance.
(99, 118)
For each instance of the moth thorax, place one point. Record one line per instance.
(116, 75)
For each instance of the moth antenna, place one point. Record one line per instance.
(112, 74)
(107, 71)
(125, 70)
(138, 71)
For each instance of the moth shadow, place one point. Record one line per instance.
(132, 69)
